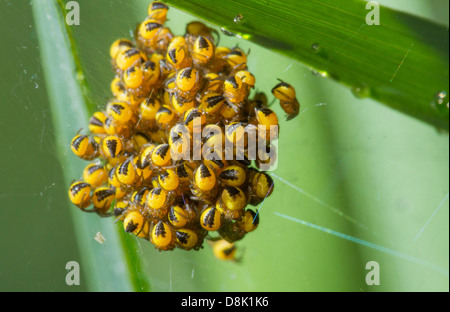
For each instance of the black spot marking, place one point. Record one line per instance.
(104, 194)
(117, 108)
(281, 85)
(159, 6)
(150, 102)
(214, 100)
(208, 136)
(269, 181)
(119, 211)
(78, 187)
(131, 52)
(219, 163)
(181, 172)
(163, 176)
(208, 219)
(173, 55)
(187, 73)
(204, 171)
(236, 52)
(254, 216)
(112, 147)
(175, 137)
(165, 110)
(131, 226)
(125, 43)
(77, 142)
(160, 229)
(192, 114)
(266, 111)
(233, 81)
(172, 216)
(111, 174)
(95, 122)
(157, 191)
(232, 191)
(95, 168)
(124, 168)
(150, 64)
(139, 197)
(229, 250)
(162, 151)
(182, 237)
(234, 127)
(229, 175)
(203, 43)
(152, 26)
(131, 70)
(246, 162)
(108, 122)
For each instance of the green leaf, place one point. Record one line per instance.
(403, 62)
(111, 266)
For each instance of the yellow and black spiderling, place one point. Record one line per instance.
(212, 102)
(97, 123)
(161, 155)
(149, 29)
(186, 238)
(118, 46)
(178, 216)
(95, 174)
(161, 144)
(205, 178)
(84, 147)
(139, 197)
(102, 198)
(211, 219)
(120, 112)
(203, 50)
(79, 194)
(112, 146)
(288, 101)
(158, 11)
(233, 176)
(162, 236)
(224, 250)
(126, 58)
(133, 222)
(157, 198)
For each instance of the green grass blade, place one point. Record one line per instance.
(403, 62)
(111, 266)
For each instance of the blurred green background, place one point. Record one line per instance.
(356, 181)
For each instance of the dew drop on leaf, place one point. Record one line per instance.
(361, 91)
(226, 32)
(440, 101)
(316, 47)
(239, 19)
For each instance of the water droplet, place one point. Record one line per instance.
(316, 47)
(226, 32)
(361, 91)
(319, 73)
(239, 19)
(441, 96)
(244, 36)
(440, 101)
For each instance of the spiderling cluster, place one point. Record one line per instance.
(173, 155)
